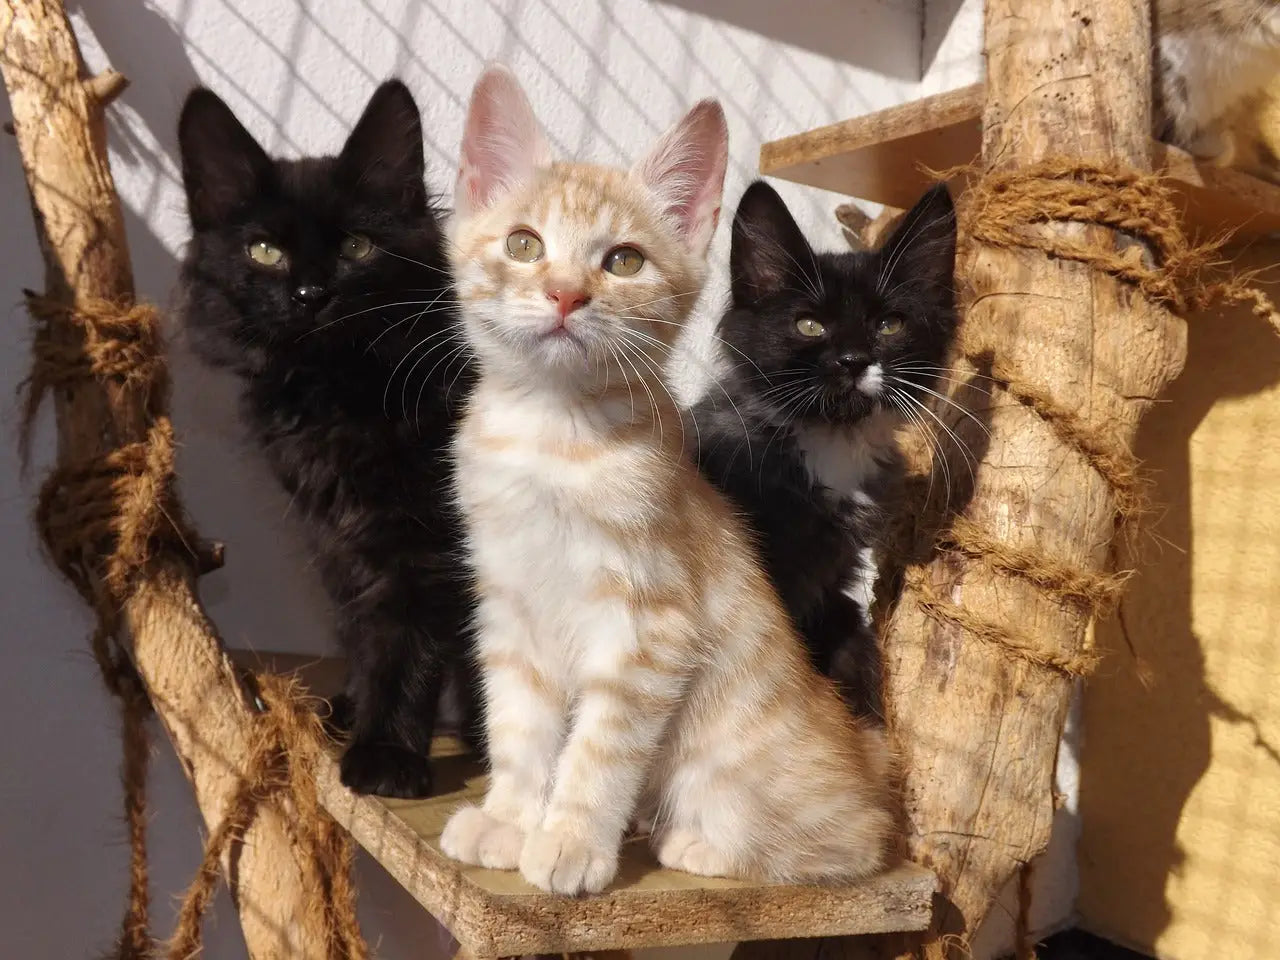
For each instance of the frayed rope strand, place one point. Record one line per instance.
(1005, 209)
(102, 522)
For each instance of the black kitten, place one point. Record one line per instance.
(829, 352)
(322, 282)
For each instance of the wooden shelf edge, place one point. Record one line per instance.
(882, 157)
(927, 115)
(494, 913)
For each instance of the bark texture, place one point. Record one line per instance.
(58, 114)
(979, 720)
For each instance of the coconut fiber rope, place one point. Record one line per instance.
(102, 521)
(1007, 209)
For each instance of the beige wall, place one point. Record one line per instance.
(1180, 780)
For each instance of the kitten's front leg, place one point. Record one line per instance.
(525, 715)
(632, 687)
(396, 672)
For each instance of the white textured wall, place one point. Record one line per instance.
(951, 55)
(605, 77)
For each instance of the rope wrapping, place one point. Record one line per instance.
(101, 522)
(1007, 209)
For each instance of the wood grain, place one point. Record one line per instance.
(884, 157)
(495, 913)
(979, 727)
(58, 112)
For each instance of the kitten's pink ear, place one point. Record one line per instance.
(686, 169)
(502, 144)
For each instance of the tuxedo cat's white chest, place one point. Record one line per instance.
(844, 458)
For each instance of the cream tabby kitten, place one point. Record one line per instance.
(637, 664)
(1211, 56)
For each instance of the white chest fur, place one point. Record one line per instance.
(846, 460)
(550, 503)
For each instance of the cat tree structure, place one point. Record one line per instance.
(1074, 263)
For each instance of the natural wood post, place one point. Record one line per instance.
(978, 720)
(58, 118)
(978, 724)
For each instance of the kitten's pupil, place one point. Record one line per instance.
(810, 327)
(267, 254)
(356, 247)
(624, 261)
(524, 245)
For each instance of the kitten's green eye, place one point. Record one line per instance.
(623, 261)
(810, 327)
(524, 245)
(355, 247)
(890, 326)
(267, 254)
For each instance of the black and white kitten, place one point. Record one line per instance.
(323, 284)
(828, 353)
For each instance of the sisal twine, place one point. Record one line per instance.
(1007, 209)
(102, 521)
(282, 772)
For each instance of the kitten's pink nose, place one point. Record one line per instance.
(566, 299)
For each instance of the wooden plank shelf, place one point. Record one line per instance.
(882, 157)
(495, 913)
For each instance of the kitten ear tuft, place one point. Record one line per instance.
(686, 169)
(383, 154)
(502, 143)
(921, 251)
(768, 252)
(223, 167)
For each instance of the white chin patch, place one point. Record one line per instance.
(872, 380)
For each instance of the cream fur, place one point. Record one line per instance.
(637, 664)
(1213, 54)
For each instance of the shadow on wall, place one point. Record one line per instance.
(1148, 746)
(146, 48)
(939, 15)
(841, 31)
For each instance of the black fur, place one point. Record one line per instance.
(352, 395)
(782, 383)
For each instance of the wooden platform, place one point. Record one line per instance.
(882, 156)
(495, 913)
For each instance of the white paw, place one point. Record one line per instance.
(685, 850)
(500, 847)
(562, 864)
(473, 836)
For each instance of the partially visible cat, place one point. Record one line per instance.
(637, 664)
(323, 284)
(1254, 128)
(828, 354)
(1210, 56)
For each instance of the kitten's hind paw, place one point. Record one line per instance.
(563, 864)
(685, 850)
(387, 770)
(473, 836)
